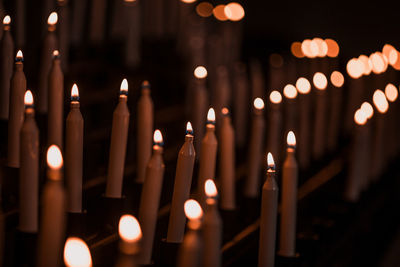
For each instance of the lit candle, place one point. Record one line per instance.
(50, 44)
(252, 186)
(221, 91)
(144, 131)
(29, 169)
(119, 138)
(227, 162)
(16, 114)
(366, 154)
(77, 253)
(130, 235)
(150, 198)
(208, 154)
(183, 182)
(274, 142)
(132, 43)
(189, 254)
(20, 23)
(55, 102)
(320, 82)
(52, 222)
(6, 63)
(290, 93)
(337, 81)
(287, 238)
(97, 21)
(304, 88)
(240, 103)
(212, 227)
(64, 31)
(74, 153)
(257, 80)
(269, 212)
(391, 93)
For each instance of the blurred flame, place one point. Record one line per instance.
(387, 49)
(258, 103)
(77, 253)
(367, 65)
(211, 115)
(53, 18)
(322, 47)
(367, 109)
(320, 81)
(188, 1)
(378, 62)
(380, 102)
(355, 68)
(314, 49)
(54, 157)
(219, 13)
(270, 160)
(337, 78)
(157, 137)
(19, 54)
(275, 97)
(289, 91)
(129, 228)
(393, 57)
(74, 91)
(189, 128)
(291, 139)
(225, 111)
(234, 11)
(296, 50)
(391, 92)
(306, 48)
(56, 53)
(7, 20)
(360, 117)
(210, 188)
(200, 72)
(303, 85)
(333, 48)
(204, 9)
(28, 98)
(124, 86)
(193, 210)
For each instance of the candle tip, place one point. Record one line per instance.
(320, 81)
(146, 85)
(56, 54)
(28, 99)
(7, 20)
(53, 18)
(368, 109)
(270, 161)
(210, 188)
(77, 253)
(200, 72)
(337, 78)
(124, 87)
(380, 102)
(54, 157)
(360, 117)
(291, 139)
(258, 103)
(289, 91)
(193, 210)
(19, 57)
(189, 128)
(303, 85)
(158, 138)
(129, 228)
(211, 116)
(391, 92)
(74, 93)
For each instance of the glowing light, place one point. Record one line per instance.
(204, 9)
(337, 78)
(270, 161)
(19, 55)
(56, 53)
(393, 57)
(200, 72)
(313, 49)
(234, 11)
(193, 210)
(380, 102)
(219, 13)
(306, 48)
(360, 117)
(275, 97)
(391, 92)
(387, 49)
(378, 63)
(74, 91)
(303, 85)
(188, 1)
(189, 128)
(355, 68)
(333, 48)
(296, 50)
(28, 98)
(367, 109)
(7, 20)
(276, 60)
(124, 86)
(210, 188)
(289, 91)
(77, 253)
(157, 137)
(54, 157)
(258, 103)
(53, 18)
(320, 81)
(291, 139)
(129, 229)
(225, 111)
(322, 47)
(367, 65)
(211, 115)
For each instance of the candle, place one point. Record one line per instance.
(252, 186)
(78, 21)
(189, 254)
(320, 82)
(227, 162)
(144, 131)
(119, 138)
(132, 43)
(208, 154)
(221, 91)
(64, 31)
(290, 93)
(50, 44)
(337, 81)
(77, 253)
(240, 103)
(55, 102)
(212, 227)
(130, 235)
(287, 237)
(97, 21)
(74, 153)
(366, 154)
(269, 212)
(16, 113)
(183, 182)
(391, 93)
(52, 221)
(257, 79)
(29, 169)
(6, 63)
(304, 88)
(150, 198)
(274, 143)
(20, 23)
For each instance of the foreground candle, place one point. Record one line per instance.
(130, 235)
(52, 222)
(29, 170)
(77, 253)
(119, 138)
(74, 153)
(274, 143)
(150, 198)
(6, 63)
(183, 182)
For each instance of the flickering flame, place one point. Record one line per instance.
(367, 109)
(270, 161)
(355, 68)
(360, 117)
(129, 229)
(337, 78)
(378, 63)
(303, 85)
(200, 72)
(219, 13)
(19, 55)
(204, 9)
(53, 18)
(189, 128)
(193, 210)
(211, 115)
(54, 157)
(210, 188)
(296, 50)
(391, 92)
(28, 98)
(157, 137)
(77, 253)
(124, 86)
(7, 20)
(380, 101)
(306, 47)
(291, 139)
(234, 11)
(320, 81)
(74, 91)
(367, 64)
(289, 91)
(275, 97)
(258, 103)
(333, 48)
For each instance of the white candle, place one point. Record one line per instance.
(304, 88)
(274, 143)
(240, 103)
(133, 40)
(290, 93)
(320, 83)
(64, 31)
(335, 113)
(98, 20)
(6, 63)
(77, 253)
(130, 235)
(20, 23)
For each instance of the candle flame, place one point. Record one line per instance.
(56, 53)
(129, 228)
(200, 72)
(54, 157)
(333, 48)
(270, 161)
(77, 253)
(234, 11)
(28, 98)
(74, 91)
(391, 92)
(303, 85)
(320, 81)
(380, 101)
(210, 188)
(204, 9)
(193, 210)
(275, 97)
(291, 139)
(289, 91)
(7, 20)
(189, 128)
(19, 55)
(225, 111)
(124, 86)
(258, 103)
(337, 78)
(313, 50)
(306, 48)
(367, 64)
(219, 13)
(355, 68)
(360, 117)
(188, 1)
(322, 47)
(53, 18)
(367, 109)
(387, 49)
(157, 137)
(393, 56)
(211, 116)
(295, 48)
(379, 65)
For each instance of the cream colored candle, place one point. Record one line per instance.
(6, 63)
(150, 198)
(16, 114)
(183, 182)
(337, 80)
(29, 170)
(77, 253)
(240, 100)
(97, 21)
(304, 88)
(130, 235)
(119, 138)
(274, 141)
(74, 153)
(20, 23)
(133, 40)
(320, 82)
(64, 31)
(144, 131)
(290, 93)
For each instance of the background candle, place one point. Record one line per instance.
(304, 88)
(290, 93)
(6, 63)
(77, 253)
(241, 100)
(64, 31)
(335, 113)
(97, 21)
(130, 235)
(132, 43)
(274, 143)
(183, 182)
(20, 23)
(320, 82)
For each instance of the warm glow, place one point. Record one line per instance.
(290, 91)
(387, 49)
(258, 103)
(77, 253)
(378, 63)
(28, 98)
(124, 86)
(303, 85)
(56, 53)
(74, 91)
(188, 1)
(367, 65)
(211, 115)
(189, 128)
(320, 81)
(355, 68)
(337, 79)
(380, 102)
(157, 137)
(200, 72)
(291, 139)
(306, 48)
(234, 11)
(391, 92)
(322, 47)
(219, 13)
(54, 157)
(192, 209)
(275, 97)
(129, 228)
(53, 18)
(225, 111)
(270, 160)
(19, 54)
(360, 117)
(393, 57)
(210, 188)
(313, 49)
(7, 20)
(296, 50)
(333, 48)
(367, 109)
(204, 9)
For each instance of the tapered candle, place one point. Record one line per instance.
(55, 102)
(287, 237)
(119, 138)
(52, 221)
(50, 44)
(6, 63)
(77, 253)
(189, 254)
(212, 227)
(208, 155)
(144, 131)
(74, 153)
(150, 198)
(274, 142)
(320, 82)
(183, 182)
(269, 212)
(290, 93)
(16, 114)
(29, 170)
(130, 235)
(252, 186)
(227, 162)
(304, 88)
